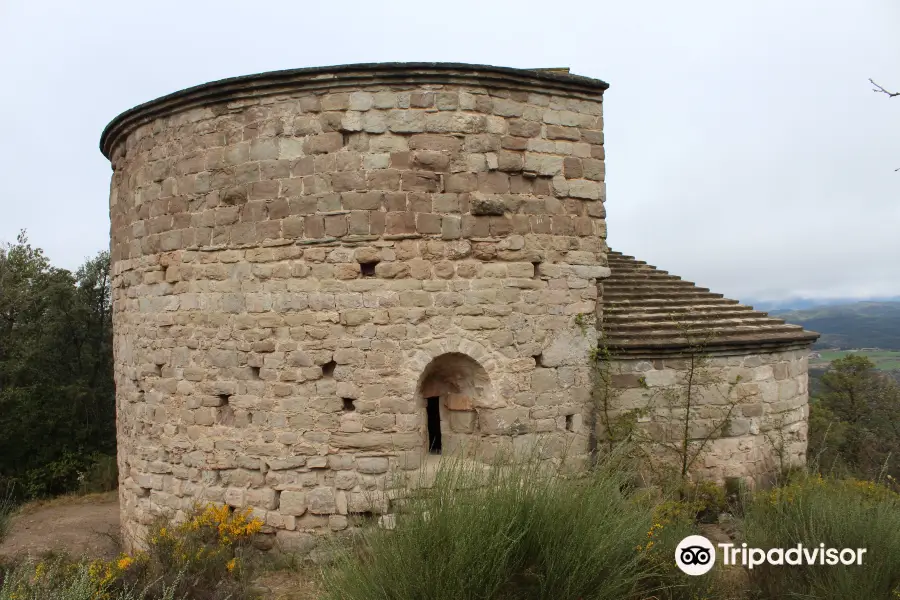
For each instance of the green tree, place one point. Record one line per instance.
(57, 400)
(854, 421)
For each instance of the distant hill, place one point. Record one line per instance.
(848, 326)
(799, 303)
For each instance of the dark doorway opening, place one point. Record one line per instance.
(434, 425)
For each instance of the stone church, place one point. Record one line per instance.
(325, 276)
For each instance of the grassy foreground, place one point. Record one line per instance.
(514, 531)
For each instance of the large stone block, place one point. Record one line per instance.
(292, 503)
(321, 501)
(376, 440)
(568, 348)
(371, 465)
(295, 542)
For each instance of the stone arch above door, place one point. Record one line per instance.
(421, 358)
(450, 390)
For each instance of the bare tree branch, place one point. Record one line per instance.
(880, 90)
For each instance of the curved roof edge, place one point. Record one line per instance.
(338, 76)
(649, 313)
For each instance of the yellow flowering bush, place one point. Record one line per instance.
(229, 527)
(862, 490)
(200, 558)
(105, 573)
(207, 547)
(645, 547)
(870, 490)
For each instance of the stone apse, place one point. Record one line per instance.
(322, 277)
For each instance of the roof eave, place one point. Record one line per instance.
(623, 349)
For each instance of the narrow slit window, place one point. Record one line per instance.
(434, 425)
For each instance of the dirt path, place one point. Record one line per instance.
(78, 526)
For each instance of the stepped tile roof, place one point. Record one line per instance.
(648, 312)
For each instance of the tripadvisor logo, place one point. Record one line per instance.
(695, 555)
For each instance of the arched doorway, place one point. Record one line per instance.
(451, 389)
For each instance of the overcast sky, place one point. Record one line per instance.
(746, 150)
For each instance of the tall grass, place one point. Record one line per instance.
(511, 530)
(840, 514)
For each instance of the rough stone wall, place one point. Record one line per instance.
(287, 268)
(768, 425)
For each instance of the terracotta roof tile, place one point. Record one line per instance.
(649, 312)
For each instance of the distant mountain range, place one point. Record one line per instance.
(805, 303)
(868, 324)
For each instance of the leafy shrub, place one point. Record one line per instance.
(54, 477)
(710, 497)
(200, 559)
(840, 514)
(201, 556)
(513, 530)
(72, 472)
(61, 580)
(47, 579)
(101, 475)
